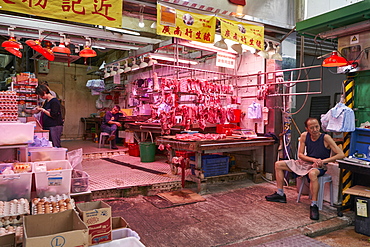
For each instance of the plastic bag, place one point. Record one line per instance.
(75, 158)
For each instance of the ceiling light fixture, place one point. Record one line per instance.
(335, 61)
(12, 45)
(134, 65)
(141, 16)
(277, 55)
(119, 30)
(171, 59)
(87, 51)
(36, 44)
(238, 48)
(47, 52)
(221, 44)
(61, 48)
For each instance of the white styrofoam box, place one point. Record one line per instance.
(15, 186)
(55, 180)
(123, 242)
(333, 171)
(43, 153)
(121, 134)
(16, 133)
(124, 233)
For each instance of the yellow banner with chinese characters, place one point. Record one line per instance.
(186, 25)
(95, 12)
(247, 34)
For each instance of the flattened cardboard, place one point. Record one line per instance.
(358, 190)
(98, 218)
(58, 229)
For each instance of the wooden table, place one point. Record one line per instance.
(360, 176)
(216, 146)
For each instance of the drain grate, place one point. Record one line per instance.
(133, 166)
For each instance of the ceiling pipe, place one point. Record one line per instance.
(74, 40)
(70, 29)
(346, 30)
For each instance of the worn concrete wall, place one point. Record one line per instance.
(69, 82)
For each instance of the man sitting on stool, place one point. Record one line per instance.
(318, 147)
(110, 124)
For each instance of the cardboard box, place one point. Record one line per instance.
(98, 218)
(119, 222)
(7, 240)
(16, 133)
(59, 229)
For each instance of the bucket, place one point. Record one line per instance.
(147, 151)
(133, 149)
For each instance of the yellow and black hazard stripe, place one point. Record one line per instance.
(349, 87)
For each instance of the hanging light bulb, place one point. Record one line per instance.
(14, 51)
(127, 68)
(47, 52)
(120, 70)
(36, 44)
(221, 44)
(141, 17)
(12, 45)
(87, 51)
(238, 48)
(263, 53)
(143, 64)
(277, 55)
(334, 60)
(61, 48)
(134, 65)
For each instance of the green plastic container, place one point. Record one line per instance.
(147, 151)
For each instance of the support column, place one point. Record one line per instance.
(349, 85)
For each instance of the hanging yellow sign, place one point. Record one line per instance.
(186, 25)
(95, 12)
(247, 34)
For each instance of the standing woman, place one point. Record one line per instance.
(51, 115)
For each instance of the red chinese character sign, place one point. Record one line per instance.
(186, 25)
(247, 34)
(96, 12)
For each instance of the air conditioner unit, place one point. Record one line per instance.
(356, 48)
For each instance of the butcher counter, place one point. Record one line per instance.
(230, 144)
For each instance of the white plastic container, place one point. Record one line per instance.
(43, 154)
(46, 154)
(15, 186)
(55, 180)
(16, 133)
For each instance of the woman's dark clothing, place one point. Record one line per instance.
(54, 123)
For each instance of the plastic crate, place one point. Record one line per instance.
(185, 154)
(214, 165)
(79, 181)
(15, 186)
(225, 128)
(360, 142)
(55, 180)
(43, 153)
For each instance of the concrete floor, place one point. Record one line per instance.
(233, 214)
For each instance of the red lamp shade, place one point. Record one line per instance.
(61, 49)
(14, 51)
(35, 44)
(12, 43)
(48, 54)
(87, 52)
(334, 61)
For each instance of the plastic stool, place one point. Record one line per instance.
(326, 178)
(102, 137)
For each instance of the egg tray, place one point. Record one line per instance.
(14, 207)
(52, 204)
